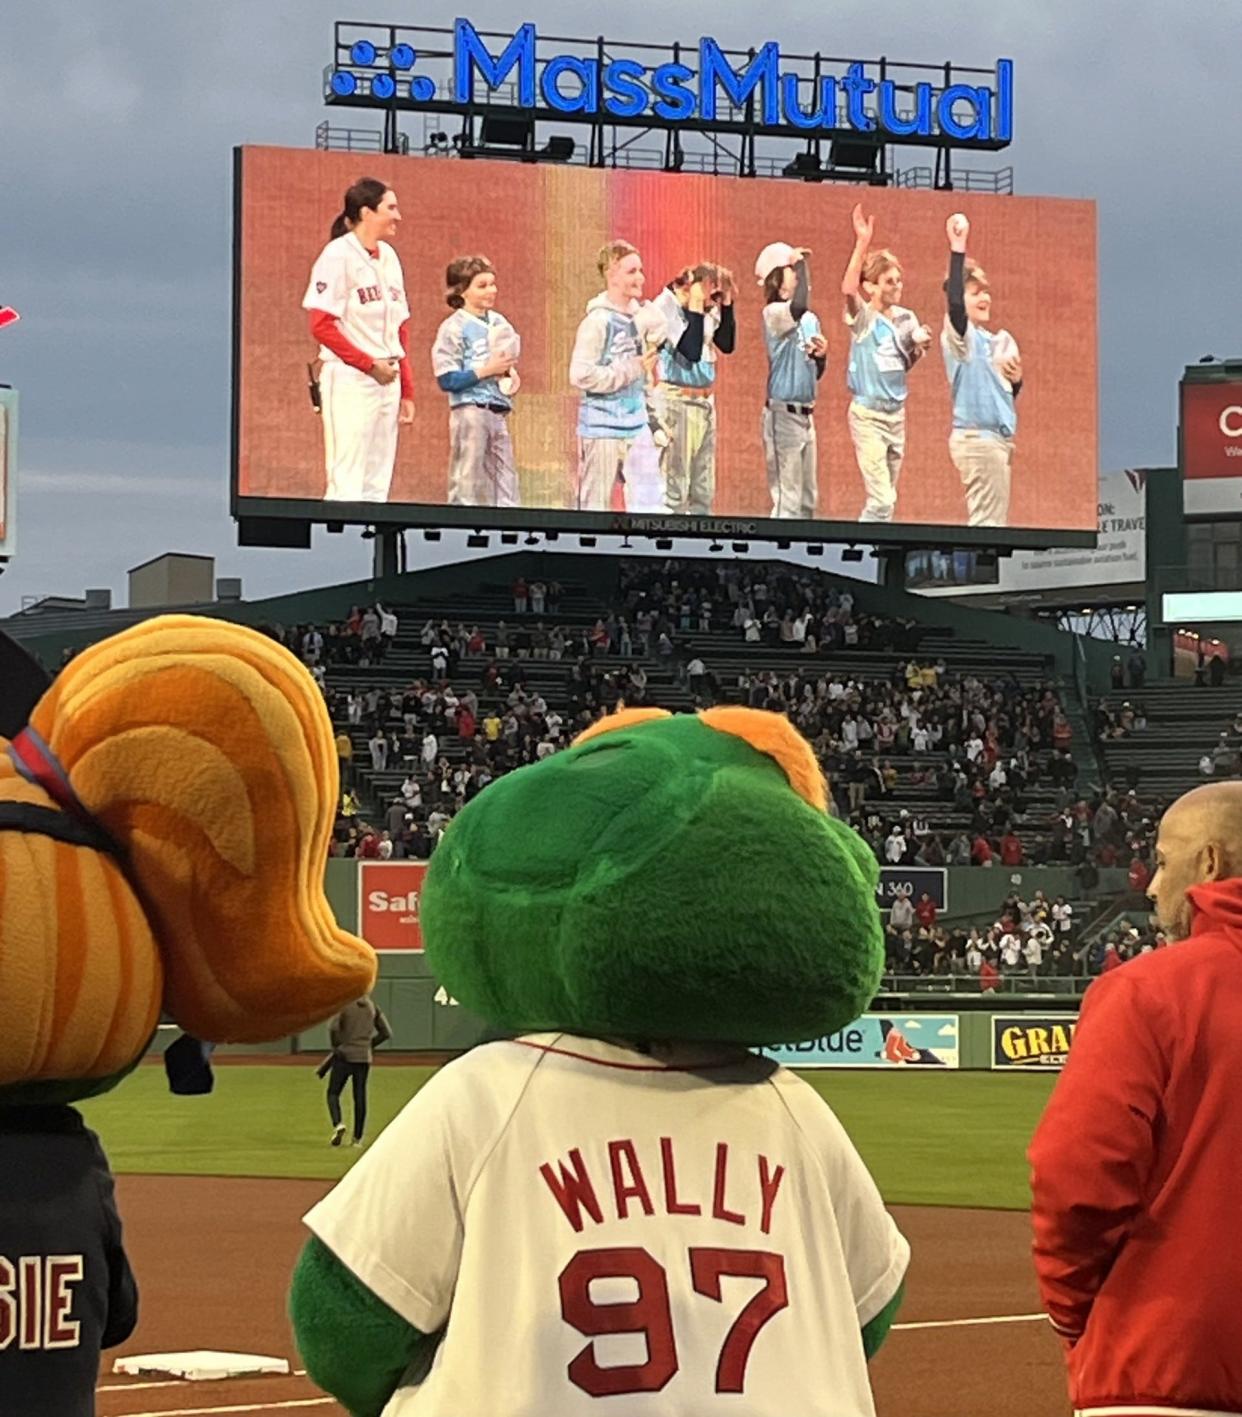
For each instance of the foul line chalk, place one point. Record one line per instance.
(971, 1323)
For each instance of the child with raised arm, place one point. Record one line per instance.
(797, 357)
(474, 359)
(985, 375)
(697, 307)
(886, 342)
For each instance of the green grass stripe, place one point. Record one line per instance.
(929, 1138)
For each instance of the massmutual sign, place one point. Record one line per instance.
(680, 93)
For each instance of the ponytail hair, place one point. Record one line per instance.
(366, 192)
(458, 276)
(200, 756)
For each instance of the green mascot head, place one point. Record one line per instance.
(666, 878)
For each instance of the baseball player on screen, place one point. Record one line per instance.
(797, 357)
(697, 307)
(985, 375)
(887, 341)
(611, 364)
(474, 360)
(359, 316)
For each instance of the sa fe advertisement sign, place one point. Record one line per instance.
(1031, 1043)
(879, 1041)
(388, 894)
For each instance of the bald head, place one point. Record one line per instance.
(1211, 813)
(1200, 840)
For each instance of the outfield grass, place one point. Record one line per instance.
(930, 1138)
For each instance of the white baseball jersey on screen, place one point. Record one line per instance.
(366, 294)
(604, 1224)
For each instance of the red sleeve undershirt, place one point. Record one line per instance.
(407, 377)
(326, 330)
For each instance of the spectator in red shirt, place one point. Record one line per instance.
(1112, 960)
(1134, 1165)
(465, 724)
(981, 851)
(369, 846)
(926, 911)
(1140, 877)
(989, 977)
(1011, 849)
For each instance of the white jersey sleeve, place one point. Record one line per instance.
(390, 264)
(397, 1220)
(876, 1253)
(585, 370)
(778, 317)
(448, 353)
(859, 318)
(328, 289)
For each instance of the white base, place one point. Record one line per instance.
(202, 1365)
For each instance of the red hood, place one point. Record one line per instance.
(1216, 906)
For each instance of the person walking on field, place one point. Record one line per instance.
(1134, 1165)
(354, 1033)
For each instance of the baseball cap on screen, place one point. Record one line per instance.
(772, 257)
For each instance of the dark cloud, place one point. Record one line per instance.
(118, 125)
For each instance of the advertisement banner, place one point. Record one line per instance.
(388, 904)
(878, 1041)
(1031, 1042)
(914, 880)
(1211, 446)
(1119, 557)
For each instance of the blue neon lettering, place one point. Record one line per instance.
(586, 71)
(979, 99)
(676, 101)
(470, 53)
(892, 121)
(626, 89)
(715, 70)
(822, 115)
(1004, 100)
(857, 86)
(627, 98)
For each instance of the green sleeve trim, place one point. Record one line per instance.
(353, 1345)
(874, 1333)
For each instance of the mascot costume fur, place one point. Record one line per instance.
(619, 1207)
(165, 812)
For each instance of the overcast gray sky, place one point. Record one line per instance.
(118, 121)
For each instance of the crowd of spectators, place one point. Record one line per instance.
(1030, 941)
(932, 768)
(363, 638)
(1225, 758)
(778, 606)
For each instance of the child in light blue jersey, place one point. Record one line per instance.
(611, 364)
(985, 375)
(797, 357)
(886, 342)
(697, 309)
(474, 360)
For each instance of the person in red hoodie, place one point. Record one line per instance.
(1135, 1162)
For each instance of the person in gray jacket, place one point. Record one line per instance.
(353, 1033)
